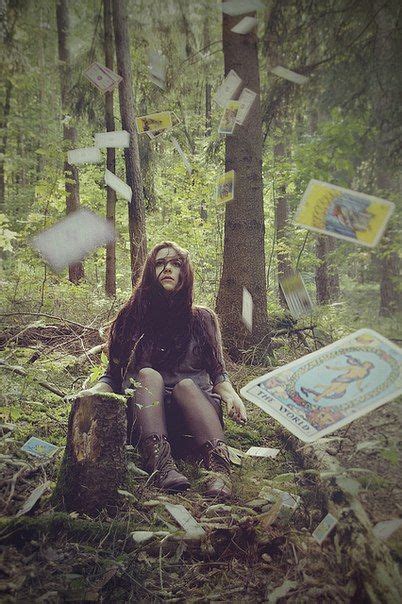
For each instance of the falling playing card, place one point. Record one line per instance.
(324, 528)
(118, 185)
(73, 238)
(245, 100)
(86, 155)
(227, 90)
(228, 121)
(102, 77)
(116, 139)
(296, 295)
(154, 121)
(247, 309)
(239, 7)
(157, 68)
(180, 151)
(245, 25)
(287, 74)
(225, 187)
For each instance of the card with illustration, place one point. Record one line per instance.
(296, 295)
(154, 121)
(103, 78)
(228, 89)
(225, 187)
(343, 213)
(39, 448)
(228, 121)
(327, 389)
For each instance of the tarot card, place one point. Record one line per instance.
(73, 238)
(116, 139)
(327, 389)
(118, 185)
(228, 89)
(246, 99)
(239, 7)
(343, 213)
(228, 121)
(86, 155)
(296, 295)
(102, 77)
(225, 187)
(157, 68)
(287, 74)
(324, 528)
(185, 519)
(245, 25)
(154, 121)
(180, 151)
(262, 452)
(39, 448)
(247, 309)
(289, 500)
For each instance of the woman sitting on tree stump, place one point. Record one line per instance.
(171, 351)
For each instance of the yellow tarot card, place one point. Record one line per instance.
(225, 187)
(154, 121)
(343, 213)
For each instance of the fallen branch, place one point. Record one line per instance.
(20, 371)
(41, 314)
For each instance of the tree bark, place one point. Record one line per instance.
(110, 269)
(3, 146)
(243, 258)
(76, 270)
(93, 466)
(136, 209)
(281, 218)
(326, 274)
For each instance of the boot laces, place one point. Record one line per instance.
(164, 461)
(217, 457)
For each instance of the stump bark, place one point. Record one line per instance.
(94, 465)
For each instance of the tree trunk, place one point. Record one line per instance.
(281, 218)
(136, 209)
(326, 274)
(110, 274)
(208, 87)
(76, 270)
(243, 258)
(3, 146)
(93, 465)
(146, 156)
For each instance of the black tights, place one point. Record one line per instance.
(147, 411)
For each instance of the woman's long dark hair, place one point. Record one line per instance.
(159, 324)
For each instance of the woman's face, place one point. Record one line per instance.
(167, 268)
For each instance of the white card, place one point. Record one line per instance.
(239, 7)
(247, 309)
(324, 528)
(246, 99)
(71, 239)
(116, 139)
(180, 151)
(245, 25)
(287, 74)
(157, 65)
(228, 88)
(102, 77)
(86, 155)
(185, 519)
(262, 452)
(118, 185)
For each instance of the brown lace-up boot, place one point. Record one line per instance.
(157, 458)
(216, 459)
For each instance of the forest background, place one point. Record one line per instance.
(343, 126)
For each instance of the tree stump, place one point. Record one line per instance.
(93, 465)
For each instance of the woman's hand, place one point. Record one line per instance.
(235, 408)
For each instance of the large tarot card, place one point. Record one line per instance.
(343, 213)
(331, 387)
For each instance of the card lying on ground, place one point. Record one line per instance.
(247, 309)
(228, 121)
(185, 519)
(86, 155)
(116, 139)
(102, 77)
(225, 187)
(343, 213)
(296, 295)
(239, 7)
(39, 448)
(246, 99)
(245, 25)
(73, 238)
(262, 452)
(227, 90)
(324, 528)
(154, 121)
(288, 74)
(118, 185)
(327, 389)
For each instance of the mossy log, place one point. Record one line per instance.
(94, 464)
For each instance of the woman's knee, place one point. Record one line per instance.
(147, 375)
(185, 387)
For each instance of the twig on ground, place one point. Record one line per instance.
(20, 371)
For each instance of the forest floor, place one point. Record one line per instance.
(251, 551)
